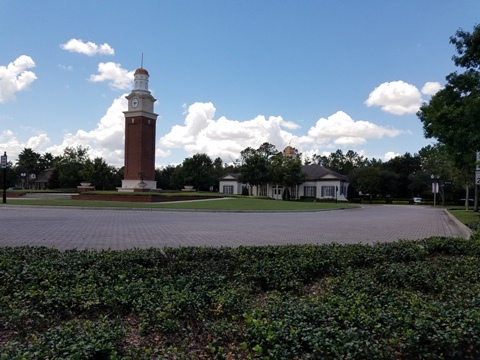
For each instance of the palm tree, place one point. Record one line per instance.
(28, 160)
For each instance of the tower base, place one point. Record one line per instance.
(131, 185)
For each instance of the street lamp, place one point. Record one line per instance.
(434, 187)
(23, 175)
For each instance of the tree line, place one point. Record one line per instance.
(403, 176)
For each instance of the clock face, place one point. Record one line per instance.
(134, 102)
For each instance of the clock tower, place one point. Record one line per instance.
(140, 124)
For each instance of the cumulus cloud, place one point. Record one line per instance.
(396, 97)
(15, 77)
(343, 130)
(87, 48)
(106, 140)
(390, 155)
(225, 138)
(117, 77)
(431, 88)
(9, 141)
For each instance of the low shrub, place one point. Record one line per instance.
(407, 299)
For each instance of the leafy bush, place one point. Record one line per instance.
(407, 299)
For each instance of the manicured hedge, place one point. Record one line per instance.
(402, 300)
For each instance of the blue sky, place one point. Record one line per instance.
(318, 75)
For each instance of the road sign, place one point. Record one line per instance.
(4, 162)
(477, 177)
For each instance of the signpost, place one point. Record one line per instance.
(3, 163)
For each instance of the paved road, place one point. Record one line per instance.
(79, 228)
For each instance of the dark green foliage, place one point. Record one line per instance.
(401, 300)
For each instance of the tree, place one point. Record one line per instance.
(69, 166)
(286, 171)
(100, 174)
(254, 170)
(197, 171)
(436, 160)
(342, 163)
(28, 162)
(453, 114)
(403, 166)
(46, 161)
(163, 176)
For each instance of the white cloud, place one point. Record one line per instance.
(15, 77)
(118, 78)
(106, 140)
(223, 137)
(345, 131)
(431, 88)
(201, 133)
(396, 97)
(87, 48)
(390, 155)
(13, 146)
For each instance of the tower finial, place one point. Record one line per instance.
(142, 61)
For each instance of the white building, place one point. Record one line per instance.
(320, 183)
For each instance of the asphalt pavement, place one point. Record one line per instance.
(85, 228)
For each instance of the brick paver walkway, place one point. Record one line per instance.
(70, 228)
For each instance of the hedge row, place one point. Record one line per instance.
(402, 300)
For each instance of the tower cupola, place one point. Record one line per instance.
(141, 80)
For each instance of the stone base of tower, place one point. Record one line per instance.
(133, 185)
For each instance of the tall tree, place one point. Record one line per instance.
(163, 177)
(453, 114)
(99, 173)
(255, 169)
(70, 165)
(403, 166)
(340, 162)
(198, 171)
(28, 161)
(286, 171)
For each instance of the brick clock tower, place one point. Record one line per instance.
(140, 124)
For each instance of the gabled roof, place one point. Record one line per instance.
(318, 172)
(230, 176)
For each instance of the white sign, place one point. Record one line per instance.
(477, 177)
(435, 188)
(478, 162)
(4, 161)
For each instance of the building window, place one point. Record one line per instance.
(328, 191)
(310, 191)
(228, 189)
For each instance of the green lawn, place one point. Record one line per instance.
(465, 216)
(215, 204)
